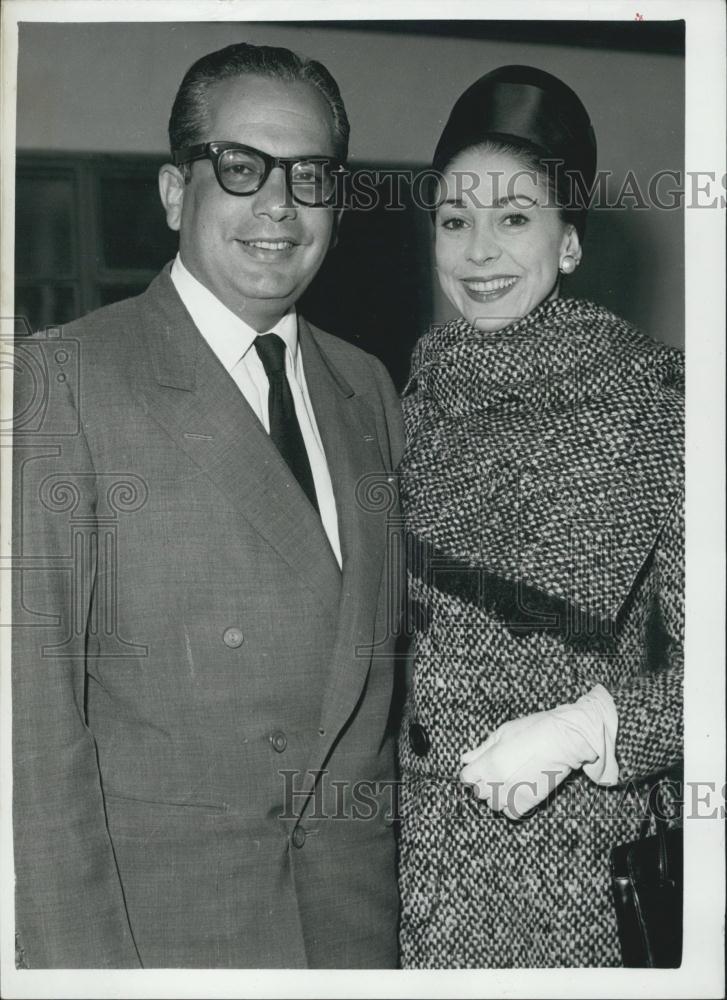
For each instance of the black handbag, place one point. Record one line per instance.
(647, 883)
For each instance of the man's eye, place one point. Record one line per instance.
(307, 175)
(241, 169)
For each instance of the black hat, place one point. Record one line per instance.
(522, 105)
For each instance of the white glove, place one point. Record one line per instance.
(523, 760)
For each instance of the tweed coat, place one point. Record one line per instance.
(188, 657)
(557, 437)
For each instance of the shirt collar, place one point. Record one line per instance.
(229, 336)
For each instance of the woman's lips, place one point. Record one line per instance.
(488, 289)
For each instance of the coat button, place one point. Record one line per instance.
(279, 741)
(419, 739)
(298, 837)
(232, 637)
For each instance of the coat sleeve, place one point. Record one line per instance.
(650, 709)
(70, 910)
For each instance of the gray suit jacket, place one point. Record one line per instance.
(188, 657)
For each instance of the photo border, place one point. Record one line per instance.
(702, 972)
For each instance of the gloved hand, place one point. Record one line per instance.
(523, 760)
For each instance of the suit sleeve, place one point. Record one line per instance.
(650, 709)
(391, 405)
(70, 910)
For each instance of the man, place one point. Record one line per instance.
(202, 671)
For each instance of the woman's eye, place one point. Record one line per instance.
(453, 223)
(515, 219)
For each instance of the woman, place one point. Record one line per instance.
(542, 487)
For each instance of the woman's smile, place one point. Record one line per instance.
(488, 289)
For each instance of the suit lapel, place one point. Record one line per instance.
(198, 404)
(189, 393)
(347, 426)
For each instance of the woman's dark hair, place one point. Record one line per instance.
(189, 119)
(536, 117)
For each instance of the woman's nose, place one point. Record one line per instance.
(273, 199)
(483, 248)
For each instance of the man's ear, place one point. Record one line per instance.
(171, 192)
(571, 244)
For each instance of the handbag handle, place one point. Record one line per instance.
(654, 809)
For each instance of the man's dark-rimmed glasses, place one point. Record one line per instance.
(242, 170)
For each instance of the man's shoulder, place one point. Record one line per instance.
(353, 361)
(106, 319)
(113, 331)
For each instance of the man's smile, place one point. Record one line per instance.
(279, 244)
(262, 249)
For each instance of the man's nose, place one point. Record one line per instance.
(273, 199)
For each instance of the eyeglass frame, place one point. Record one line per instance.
(214, 149)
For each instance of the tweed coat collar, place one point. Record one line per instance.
(548, 453)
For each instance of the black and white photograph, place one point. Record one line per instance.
(363, 411)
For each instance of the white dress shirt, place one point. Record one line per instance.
(232, 339)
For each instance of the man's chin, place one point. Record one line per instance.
(261, 308)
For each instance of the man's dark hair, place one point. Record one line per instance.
(189, 118)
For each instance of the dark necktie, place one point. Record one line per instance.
(284, 427)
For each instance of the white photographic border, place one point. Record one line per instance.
(702, 971)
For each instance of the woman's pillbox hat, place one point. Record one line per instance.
(528, 107)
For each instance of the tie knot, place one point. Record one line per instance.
(271, 351)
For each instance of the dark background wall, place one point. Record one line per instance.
(91, 89)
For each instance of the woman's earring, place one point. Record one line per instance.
(568, 264)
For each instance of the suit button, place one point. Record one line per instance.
(279, 741)
(232, 637)
(298, 837)
(419, 739)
